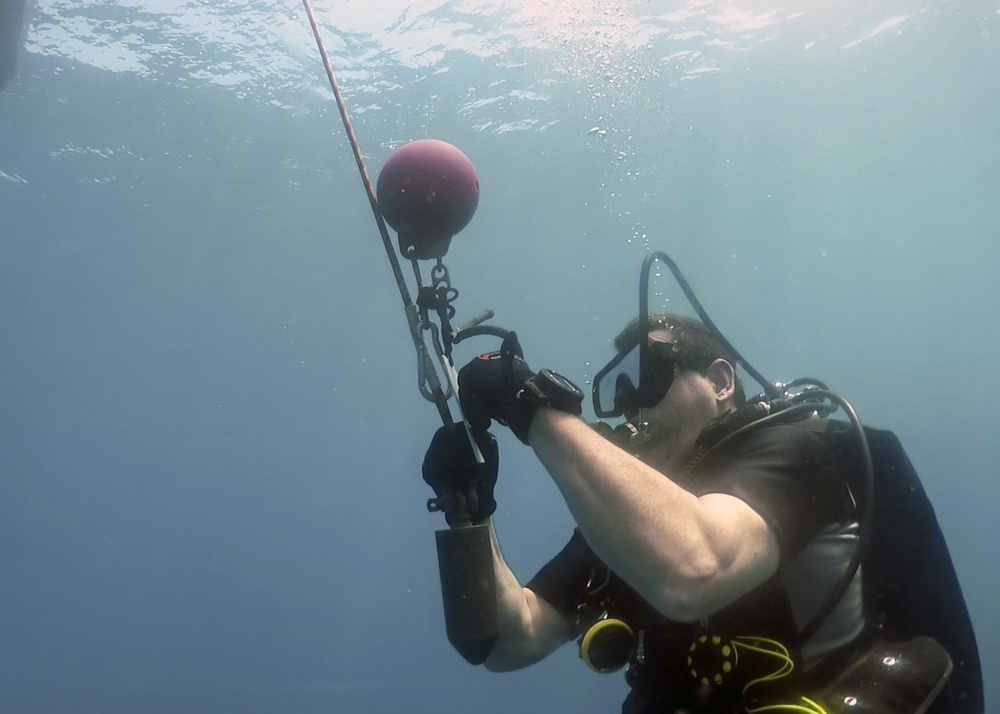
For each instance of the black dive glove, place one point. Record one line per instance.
(463, 486)
(487, 393)
(501, 386)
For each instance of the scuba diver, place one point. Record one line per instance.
(735, 555)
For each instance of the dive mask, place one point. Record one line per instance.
(636, 378)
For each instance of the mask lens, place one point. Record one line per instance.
(616, 386)
(660, 373)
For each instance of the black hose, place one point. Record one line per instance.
(769, 389)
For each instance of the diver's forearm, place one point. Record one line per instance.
(529, 628)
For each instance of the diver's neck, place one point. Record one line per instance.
(667, 459)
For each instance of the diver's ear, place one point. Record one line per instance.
(723, 378)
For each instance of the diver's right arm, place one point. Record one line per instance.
(530, 628)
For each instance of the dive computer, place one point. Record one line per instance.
(551, 389)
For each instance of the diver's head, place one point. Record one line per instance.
(676, 344)
(687, 379)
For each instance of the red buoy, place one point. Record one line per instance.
(428, 191)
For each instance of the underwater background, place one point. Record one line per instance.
(210, 427)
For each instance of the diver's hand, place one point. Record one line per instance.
(489, 391)
(463, 486)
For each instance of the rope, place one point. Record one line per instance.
(432, 390)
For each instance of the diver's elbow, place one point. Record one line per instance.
(693, 597)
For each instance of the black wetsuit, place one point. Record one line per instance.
(788, 475)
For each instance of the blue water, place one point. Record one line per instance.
(210, 430)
